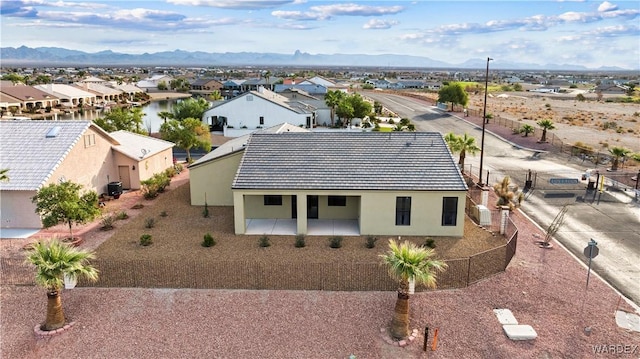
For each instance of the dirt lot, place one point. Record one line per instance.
(599, 124)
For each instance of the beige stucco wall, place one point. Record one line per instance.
(17, 210)
(376, 210)
(214, 179)
(92, 167)
(144, 168)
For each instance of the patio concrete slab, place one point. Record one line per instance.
(628, 321)
(315, 227)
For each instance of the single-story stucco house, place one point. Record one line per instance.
(396, 183)
(38, 153)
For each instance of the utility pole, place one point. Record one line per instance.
(484, 119)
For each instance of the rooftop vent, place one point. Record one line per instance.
(53, 132)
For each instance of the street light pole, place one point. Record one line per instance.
(484, 118)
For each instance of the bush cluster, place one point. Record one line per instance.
(300, 241)
(335, 242)
(208, 240)
(145, 240)
(155, 185)
(264, 242)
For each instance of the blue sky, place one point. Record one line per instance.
(588, 33)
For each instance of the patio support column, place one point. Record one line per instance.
(239, 219)
(302, 214)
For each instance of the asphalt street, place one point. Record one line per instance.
(612, 218)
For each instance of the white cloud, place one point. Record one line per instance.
(356, 10)
(235, 4)
(379, 24)
(607, 6)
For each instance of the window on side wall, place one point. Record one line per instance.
(273, 200)
(262, 120)
(449, 211)
(403, 211)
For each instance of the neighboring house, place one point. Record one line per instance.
(128, 89)
(611, 89)
(205, 86)
(258, 109)
(317, 101)
(38, 153)
(311, 89)
(386, 183)
(28, 97)
(69, 96)
(151, 83)
(102, 92)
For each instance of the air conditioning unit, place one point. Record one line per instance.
(483, 215)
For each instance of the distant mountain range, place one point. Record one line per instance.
(55, 56)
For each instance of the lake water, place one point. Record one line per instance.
(150, 111)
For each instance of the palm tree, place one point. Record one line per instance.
(164, 115)
(618, 152)
(527, 129)
(407, 262)
(546, 125)
(332, 99)
(463, 144)
(54, 260)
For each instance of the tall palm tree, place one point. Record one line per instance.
(332, 98)
(407, 261)
(617, 152)
(463, 144)
(546, 125)
(527, 129)
(54, 260)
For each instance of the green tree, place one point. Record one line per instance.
(545, 125)
(14, 78)
(180, 85)
(517, 87)
(162, 86)
(190, 108)
(617, 153)
(453, 93)
(164, 115)
(63, 203)
(120, 118)
(53, 261)
(527, 129)
(332, 98)
(345, 110)
(187, 134)
(462, 144)
(407, 261)
(215, 96)
(41, 79)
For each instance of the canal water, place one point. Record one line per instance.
(150, 111)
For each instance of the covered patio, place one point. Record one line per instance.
(315, 227)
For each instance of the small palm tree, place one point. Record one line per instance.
(546, 125)
(407, 261)
(53, 261)
(527, 129)
(618, 152)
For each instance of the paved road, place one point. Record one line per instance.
(613, 221)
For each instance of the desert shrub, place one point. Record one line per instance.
(155, 185)
(429, 243)
(163, 214)
(178, 167)
(300, 241)
(335, 242)
(170, 172)
(264, 242)
(122, 215)
(208, 240)
(371, 242)
(145, 240)
(609, 125)
(149, 222)
(107, 222)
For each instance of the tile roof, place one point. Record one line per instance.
(138, 146)
(26, 93)
(30, 155)
(412, 161)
